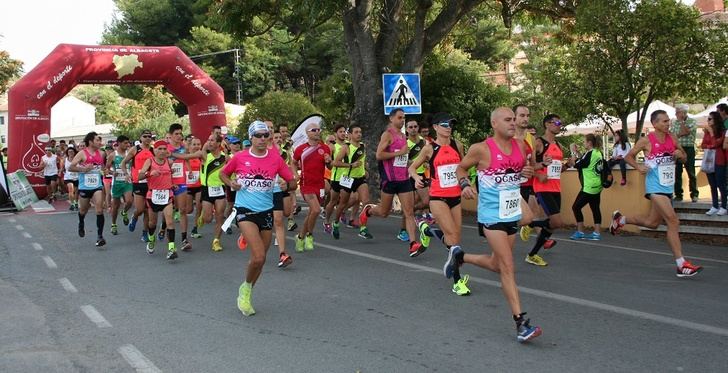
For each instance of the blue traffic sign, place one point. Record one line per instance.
(402, 91)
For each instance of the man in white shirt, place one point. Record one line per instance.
(50, 172)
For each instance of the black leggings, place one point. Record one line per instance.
(582, 199)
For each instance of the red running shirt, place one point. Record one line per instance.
(313, 164)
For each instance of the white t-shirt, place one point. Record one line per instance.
(617, 151)
(50, 165)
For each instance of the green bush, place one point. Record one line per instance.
(280, 107)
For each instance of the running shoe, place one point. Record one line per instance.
(322, 214)
(525, 332)
(145, 237)
(81, 229)
(525, 233)
(419, 219)
(244, 304)
(161, 234)
(297, 210)
(176, 215)
(454, 261)
(216, 245)
(364, 233)
(284, 260)
(712, 211)
(577, 236)
(343, 220)
(292, 225)
(186, 245)
(461, 287)
(171, 251)
(299, 244)
(114, 229)
(688, 270)
(124, 217)
(150, 245)
(100, 242)
(416, 249)
(195, 234)
(335, 231)
(423, 227)
(403, 236)
(229, 231)
(430, 219)
(308, 243)
(549, 244)
(327, 228)
(722, 212)
(275, 241)
(200, 222)
(363, 217)
(242, 243)
(536, 260)
(617, 223)
(594, 236)
(70, 208)
(132, 224)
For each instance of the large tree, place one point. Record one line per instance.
(10, 70)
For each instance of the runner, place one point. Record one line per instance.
(89, 163)
(660, 148)
(138, 155)
(179, 162)
(311, 158)
(354, 177)
(523, 115)
(255, 170)
(336, 149)
(71, 179)
(547, 185)
(108, 175)
(415, 144)
(282, 204)
(121, 186)
(501, 161)
(160, 196)
(213, 193)
(443, 156)
(392, 156)
(50, 172)
(194, 185)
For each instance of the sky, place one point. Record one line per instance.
(30, 29)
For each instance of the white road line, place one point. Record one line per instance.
(549, 295)
(137, 360)
(27, 235)
(37, 246)
(66, 283)
(11, 220)
(49, 262)
(19, 227)
(95, 316)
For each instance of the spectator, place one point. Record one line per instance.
(620, 150)
(591, 189)
(684, 129)
(50, 172)
(713, 139)
(723, 111)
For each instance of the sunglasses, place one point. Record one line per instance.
(445, 125)
(412, 127)
(556, 123)
(146, 136)
(332, 142)
(261, 135)
(315, 130)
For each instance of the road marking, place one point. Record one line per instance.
(95, 316)
(49, 262)
(66, 283)
(19, 227)
(27, 235)
(137, 360)
(549, 295)
(37, 246)
(11, 220)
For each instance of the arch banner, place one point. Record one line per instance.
(31, 98)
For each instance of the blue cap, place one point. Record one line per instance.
(257, 126)
(247, 143)
(233, 140)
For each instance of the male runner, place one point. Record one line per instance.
(121, 184)
(354, 178)
(180, 166)
(255, 170)
(89, 163)
(194, 185)
(282, 206)
(160, 195)
(523, 116)
(392, 154)
(661, 148)
(138, 155)
(336, 149)
(415, 144)
(311, 158)
(501, 161)
(213, 193)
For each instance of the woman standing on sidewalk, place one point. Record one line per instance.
(591, 189)
(713, 141)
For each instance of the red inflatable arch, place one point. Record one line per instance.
(31, 98)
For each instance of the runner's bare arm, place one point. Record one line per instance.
(79, 158)
(423, 157)
(145, 168)
(339, 160)
(475, 155)
(631, 157)
(129, 155)
(384, 142)
(225, 178)
(528, 169)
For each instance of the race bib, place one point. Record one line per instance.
(401, 160)
(120, 175)
(666, 174)
(160, 197)
(322, 193)
(509, 204)
(554, 170)
(193, 177)
(446, 175)
(92, 180)
(215, 191)
(346, 181)
(177, 170)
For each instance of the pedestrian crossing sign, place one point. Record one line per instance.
(402, 90)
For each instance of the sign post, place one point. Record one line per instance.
(402, 90)
(21, 192)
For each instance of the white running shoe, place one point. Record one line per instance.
(722, 212)
(712, 211)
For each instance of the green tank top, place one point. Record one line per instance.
(357, 154)
(336, 172)
(592, 180)
(119, 174)
(210, 170)
(414, 150)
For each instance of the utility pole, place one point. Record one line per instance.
(236, 70)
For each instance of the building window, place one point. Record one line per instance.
(2, 120)
(2, 139)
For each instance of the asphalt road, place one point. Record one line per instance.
(349, 306)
